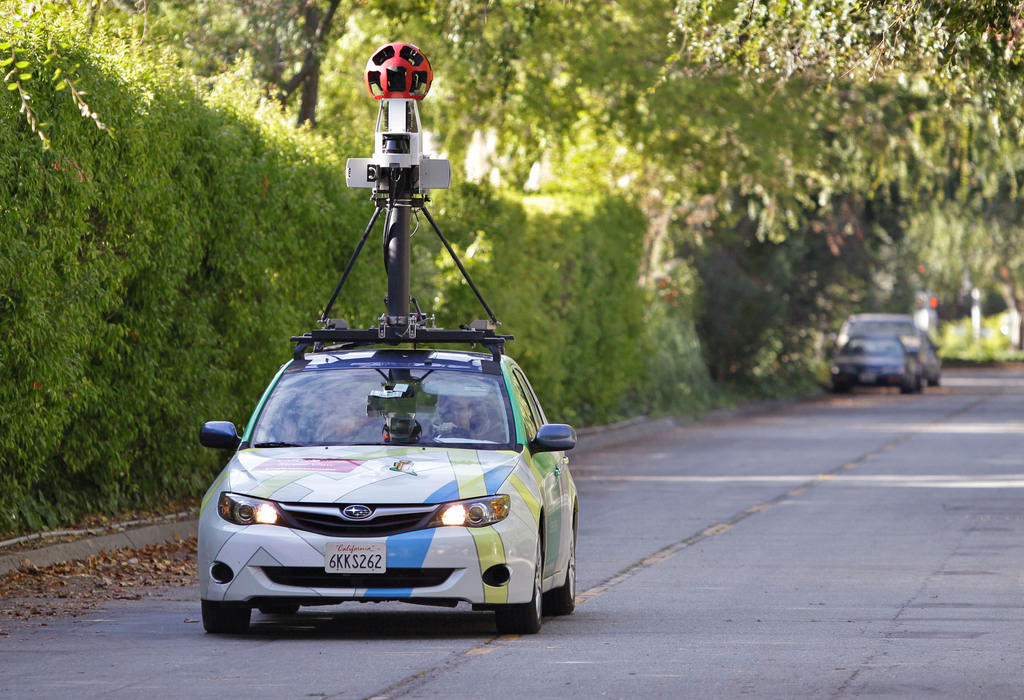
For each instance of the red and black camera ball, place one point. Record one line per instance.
(398, 71)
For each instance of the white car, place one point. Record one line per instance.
(422, 476)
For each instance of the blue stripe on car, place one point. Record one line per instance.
(409, 550)
(448, 492)
(496, 477)
(388, 593)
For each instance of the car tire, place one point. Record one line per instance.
(562, 600)
(524, 618)
(935, 382)
(220, 618)
(282, 609)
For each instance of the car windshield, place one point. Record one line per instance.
(357, 406)
(888, 347)
(906, 328)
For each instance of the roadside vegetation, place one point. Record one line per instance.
(670, 204)
(992, 343)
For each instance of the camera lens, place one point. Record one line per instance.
(396, 143)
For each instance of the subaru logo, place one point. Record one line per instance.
(357, 512)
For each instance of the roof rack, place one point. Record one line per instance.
(477, 333)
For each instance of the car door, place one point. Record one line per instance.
(550, 467)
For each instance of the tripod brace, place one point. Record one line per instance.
(398, 324)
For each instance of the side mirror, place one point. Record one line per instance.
(554, 437)
(219, 434)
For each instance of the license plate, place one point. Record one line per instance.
(369, 557)
(868, 377)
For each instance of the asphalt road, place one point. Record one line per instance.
(863, 545)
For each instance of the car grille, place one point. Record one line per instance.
(316, 577)
(328, 520)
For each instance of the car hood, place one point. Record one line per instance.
(356, 474)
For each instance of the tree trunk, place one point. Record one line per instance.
(310, 91)
(1013, 295)
(1017, 334)
(316, 27)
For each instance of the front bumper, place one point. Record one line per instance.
(868, 378)
(271, 563)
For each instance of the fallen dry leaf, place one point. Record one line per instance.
(77, 587)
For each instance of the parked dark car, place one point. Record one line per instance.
(876, 360)
(914, 339)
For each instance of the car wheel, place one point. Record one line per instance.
(562, 600)
(935, 382)
(219, 618)
(523, 618)
(282, 609)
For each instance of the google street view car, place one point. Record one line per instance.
(374, 471)
(428, 476)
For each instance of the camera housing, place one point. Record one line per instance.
(398, 152)
(399, 76)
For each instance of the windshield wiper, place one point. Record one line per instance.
(277, 444)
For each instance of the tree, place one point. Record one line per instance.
(287, 42)
(316, 26)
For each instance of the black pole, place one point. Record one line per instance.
(397, 261)
(397, 243)
(458, 262)
(351, 262)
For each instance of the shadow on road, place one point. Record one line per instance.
(375, 625)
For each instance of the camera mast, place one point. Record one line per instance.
(401, 178)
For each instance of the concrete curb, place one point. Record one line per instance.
(82, 548)
(590, 439)
(603, 436)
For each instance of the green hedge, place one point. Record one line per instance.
(150, 277)
(561, 274)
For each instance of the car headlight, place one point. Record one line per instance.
(246, 510)
(472, 512)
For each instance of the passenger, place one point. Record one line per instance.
(349, 425)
